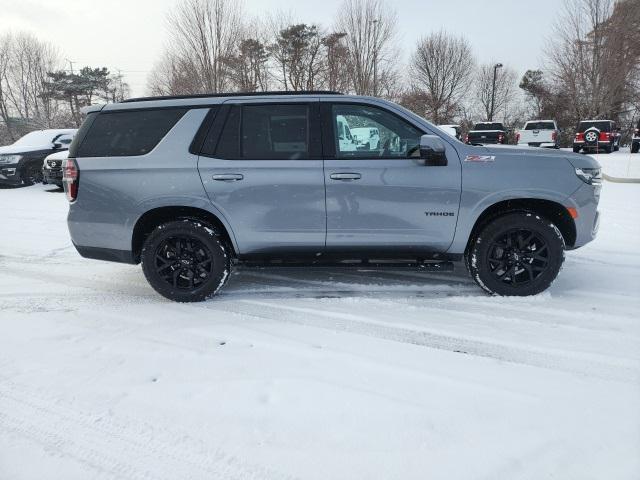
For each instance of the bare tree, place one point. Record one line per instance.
(441, 66)
(336, 62)
(204, 33)
(594, 53)
(370, 26)
(495, 101)
(24, 97)
(248, 66)
(297, 53)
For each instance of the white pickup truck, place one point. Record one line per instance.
(539, 133)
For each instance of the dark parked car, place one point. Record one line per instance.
(487, 133)
(21, 162)
(635, 141)
(599, 136)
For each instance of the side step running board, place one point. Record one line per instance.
(363, 266)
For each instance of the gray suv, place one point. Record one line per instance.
(191, 186)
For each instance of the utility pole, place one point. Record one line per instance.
(493, 90)
(70, 65)
(375, 57)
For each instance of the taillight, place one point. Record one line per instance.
(580, 136)
(554, 136)
(466, 138)
(517, 137)
(604, 136)
(70, 179)
(636, 131)
(500, 138)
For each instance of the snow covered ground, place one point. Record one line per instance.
(314, 374)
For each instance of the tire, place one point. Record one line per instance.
(577, 149)
(635, 147)
(518, 254)
(185, 261)
(30, 175)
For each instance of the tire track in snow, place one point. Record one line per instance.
(119, 447)
(584, 364)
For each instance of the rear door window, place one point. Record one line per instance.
(275, 132)
(127, 133)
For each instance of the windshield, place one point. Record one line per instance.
(539, 126)
(600, 125)
(488, 126)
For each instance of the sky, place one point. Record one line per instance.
(129, 35)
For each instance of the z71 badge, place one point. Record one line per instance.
(480, 158)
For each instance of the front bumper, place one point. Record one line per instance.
(52, 176)
(585, 200)
(10, 174)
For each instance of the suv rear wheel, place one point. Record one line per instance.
(185, 261)
(518, 254)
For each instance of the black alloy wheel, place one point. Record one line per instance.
(516, 254)
(183, 262)
(518, 257)
(186, 260)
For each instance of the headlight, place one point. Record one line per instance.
(4, 159)
(589, 175)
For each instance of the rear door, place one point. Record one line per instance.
(384, 198)
(261, 166)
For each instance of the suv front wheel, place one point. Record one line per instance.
(185, 261)
(518, 254)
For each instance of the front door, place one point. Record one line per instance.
(261, 167)
(380, 195)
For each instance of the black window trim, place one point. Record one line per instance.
(329, 138)
(315, 137)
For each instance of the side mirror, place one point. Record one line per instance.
(432, 150)
(57, 145)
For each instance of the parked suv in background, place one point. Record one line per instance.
(635, 140)
(21, 162)
(597, 136)
(484, 133)
(52, 168)
(191, 186)
(539, 133)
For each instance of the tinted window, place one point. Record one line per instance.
(539, 126)
(602, 126)
(489, 126)
(275, 132)
(128, 133)
(363, 131)
(82, 132)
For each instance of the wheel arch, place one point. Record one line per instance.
(553, 211)
(148, 221)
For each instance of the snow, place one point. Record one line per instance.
(303, 373)
(41, 138)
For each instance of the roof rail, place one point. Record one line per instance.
(231, 94)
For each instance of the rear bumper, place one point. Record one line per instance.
(538, 144)
(106, 254)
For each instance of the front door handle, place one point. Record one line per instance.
(346, 176)
(228, 177)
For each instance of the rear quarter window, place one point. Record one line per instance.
(125, 133)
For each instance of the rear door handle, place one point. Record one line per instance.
(228, 177)
(345, 176)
